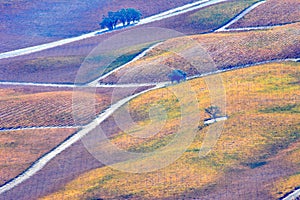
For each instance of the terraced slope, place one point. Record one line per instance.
(37, 109)
(225, 49)
(273, 12)
(62, 63)
(263, 124)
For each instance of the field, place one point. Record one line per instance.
(59, 69)
(205, 20)
(23, 107)
(62, 63)
(225, 49)
(35, 107)
(50, 108)
(27, 23)
(251, 154)
(289, 183)
(273, 12)
(19, 149)
(263, 125)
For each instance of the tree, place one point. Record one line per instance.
(122, 16)
(213, 111)
(177, 75)
(125, 16)
(133, 15)
(113, 16)
(107, 23)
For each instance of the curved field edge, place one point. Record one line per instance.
(225, 50)
(27, 109)
(252, 140)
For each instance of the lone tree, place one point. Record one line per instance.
(177, 75)
(213, 111)
(125, 16)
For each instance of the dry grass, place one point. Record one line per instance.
(26, 23)
(273, 12)
(205, 19)
(251, 136)
(287, 184)
(61, 64)
(19, 149)
(65, 68)
(30, 106)
(225, 49)
(43, 108)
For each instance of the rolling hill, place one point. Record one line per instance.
(255, 157)
(225, 49)
(263, 124)
(27, 23)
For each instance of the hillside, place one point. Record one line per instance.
(225, 49)
(273, 12)
(205, 20)
(19, 149)
(27, 23)
(100, 118)
(263, 124)
(33, 108)
(62, 63)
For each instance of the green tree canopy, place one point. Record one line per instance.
(125, 16)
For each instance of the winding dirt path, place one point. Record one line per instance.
(43, 161)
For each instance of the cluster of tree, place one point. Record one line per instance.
(125, 16)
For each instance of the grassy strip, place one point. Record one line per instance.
(218, 15)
